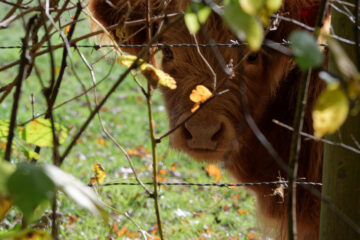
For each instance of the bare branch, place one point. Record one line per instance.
(26, 61)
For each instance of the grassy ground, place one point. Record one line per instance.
(187, 212)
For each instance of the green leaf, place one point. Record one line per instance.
(255, 7)
(31, 154)
(195, 15)
(346, 67)
(29, 186)
(250, 6)
(4, 130)
(305, 49)
(6, 169)
(273, 5)
(262, 9)
(39, 132)
(343, 63)
(77, 191)
(330, 110)
(245, 26)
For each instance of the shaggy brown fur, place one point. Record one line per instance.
(271, 80)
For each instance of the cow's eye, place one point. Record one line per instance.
(252, 57)
(168, 54)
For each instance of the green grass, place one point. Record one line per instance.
(209, 212)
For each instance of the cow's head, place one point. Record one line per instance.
(219, 126)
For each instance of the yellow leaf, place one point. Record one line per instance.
(127, 60)
(29, 234)
(142, 151)
(174, 166)
(155, 75)
(252, 236)
(133, 152)
(72, 219)
(121, 33)
(226, 207)
(161, 178)
(3, 145)
(5, 205)
(93, 180)
(213, 171)
(330, 111)
(122, 231)
(67, 29)
(100, 173)
(154, 229)
(132, 235)
(196, 107)
(114, 227)
(241, 211)
(101, 141)
(199, 95)
(152, 74)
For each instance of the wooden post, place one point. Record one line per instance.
(341, 168)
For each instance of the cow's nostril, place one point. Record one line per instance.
(217, 135)
(187, 133)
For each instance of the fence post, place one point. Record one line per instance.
(341, 168)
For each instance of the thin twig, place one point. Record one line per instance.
(128, 158)
(52, 92)
(148, 95)
(307, 135)
(53, 22)
(356, 33)
(206, 63)
(295, 145)
(5, 23)
(26, 61)
(55, 88)
(13, 10)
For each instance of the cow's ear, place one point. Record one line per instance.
(304, 11)
(130, 17)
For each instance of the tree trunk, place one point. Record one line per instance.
(341, 168)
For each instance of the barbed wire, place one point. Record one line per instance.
(233, 44)
(211, 184)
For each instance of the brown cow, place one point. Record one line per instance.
(218, 132)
